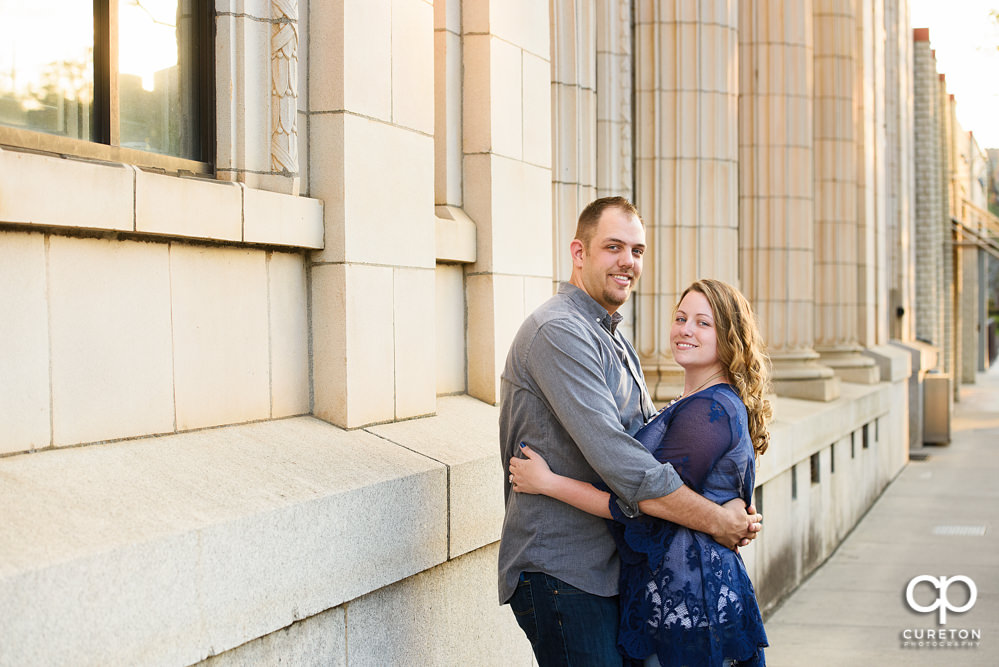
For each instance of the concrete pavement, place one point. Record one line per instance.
(937, 518)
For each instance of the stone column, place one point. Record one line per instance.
(372, 335)
(949, 208)
(777, 236)
(899, 167)
(836, 209)
(615, 87)
(968, 307)
(615, 47)
(507, 144)
(686, 164)
(574, 125)
(928, 190)
(872, 259)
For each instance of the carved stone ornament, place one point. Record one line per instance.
(284, 86)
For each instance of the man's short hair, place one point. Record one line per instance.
(586, 226)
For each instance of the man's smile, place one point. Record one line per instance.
(621, 278)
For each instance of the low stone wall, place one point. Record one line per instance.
(296, 541)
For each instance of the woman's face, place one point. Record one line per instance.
(692, 335)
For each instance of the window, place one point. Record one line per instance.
(124, 80)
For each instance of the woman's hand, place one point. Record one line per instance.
(530, 474)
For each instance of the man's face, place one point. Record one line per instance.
(612, 263)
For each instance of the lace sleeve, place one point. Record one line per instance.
(699, 434)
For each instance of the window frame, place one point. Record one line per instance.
(105, 145)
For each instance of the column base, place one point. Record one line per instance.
(816, 389)
(665, 382)
(799, 376)
(851, 366)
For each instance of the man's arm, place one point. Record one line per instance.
(729, 524)
(566, 366)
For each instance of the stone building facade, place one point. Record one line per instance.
(955, 232)
(249, 398)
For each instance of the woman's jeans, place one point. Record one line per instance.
(566, 626)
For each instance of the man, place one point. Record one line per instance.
(573, 389)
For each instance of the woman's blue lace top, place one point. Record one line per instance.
(684, 596)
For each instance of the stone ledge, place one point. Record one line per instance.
(70, 194)
(190, 544)
(454, 234)
(802, 427)
(464, 435)
(924, 356)
(895, 364)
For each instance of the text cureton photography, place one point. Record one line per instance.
(926, 594)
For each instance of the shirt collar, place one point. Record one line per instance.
(590, 307)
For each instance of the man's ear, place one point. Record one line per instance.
(576, 250)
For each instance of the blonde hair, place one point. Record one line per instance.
(741, 353)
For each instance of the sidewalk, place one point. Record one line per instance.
(936, 518)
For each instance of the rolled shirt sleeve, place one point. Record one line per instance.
(570, 370)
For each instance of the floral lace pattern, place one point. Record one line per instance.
(684, 596)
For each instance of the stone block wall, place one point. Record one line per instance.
(300, 391)
(140, 303)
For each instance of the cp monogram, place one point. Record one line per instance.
(942, 602)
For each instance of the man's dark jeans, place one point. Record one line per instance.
(566, 626)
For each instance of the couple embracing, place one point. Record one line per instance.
(622, 526)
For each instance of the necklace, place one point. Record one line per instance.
(698, 389)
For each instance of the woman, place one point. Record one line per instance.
(685, 599)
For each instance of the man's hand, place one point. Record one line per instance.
(740, 526)
(732, 525)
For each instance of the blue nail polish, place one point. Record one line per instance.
(522, 445)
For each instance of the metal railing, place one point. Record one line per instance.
(977, 227)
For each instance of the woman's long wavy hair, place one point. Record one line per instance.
(741, 353)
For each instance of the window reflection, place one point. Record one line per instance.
(47, 66)
(155, 83)
(132, 74)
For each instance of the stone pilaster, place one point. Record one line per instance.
(574, 124)
(615, 88)
(284, 92)
(372, 104)
(777, 236)
(873, 302)
(507, 176)
(260, 151)
(928, 190)
(898, 157)
(686, 164)
(836, 208)
(949, 198)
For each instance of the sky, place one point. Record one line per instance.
(966, 41)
